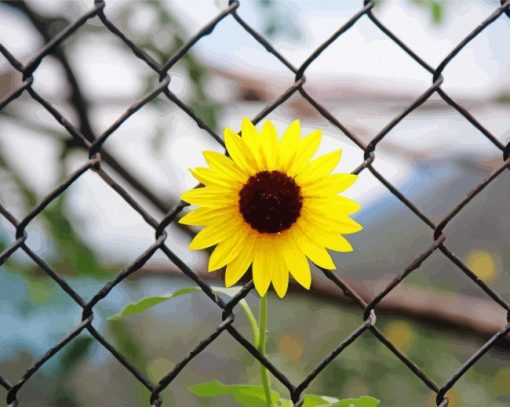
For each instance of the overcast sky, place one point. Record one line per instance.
(363, 52)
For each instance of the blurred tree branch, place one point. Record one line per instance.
(76, 98)
(460, 313)
(81, 106)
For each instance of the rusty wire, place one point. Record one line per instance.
(226, 326)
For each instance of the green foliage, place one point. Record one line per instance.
(503, 98)
(74, 353)
(71, 357)
(245, 395)
(312, 400)
(149, 302)
(75, 255)
(363, 401)
(278, 21)
(39, 292)
(126, 342)
(434, 7)
(253, 396)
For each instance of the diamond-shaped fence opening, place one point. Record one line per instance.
(395, 336)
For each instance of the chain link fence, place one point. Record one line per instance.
(94, 146)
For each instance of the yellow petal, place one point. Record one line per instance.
(327, 205)
(306, 150)
(212, 235)
(337, 243)
(227, 250)
(319, 168)
(210, 197)
(208, 176)
(224, 165)
(315, 252)
(330, 185)
(289, 145)
(251, 137)
(280, 277)
(329, 239)
(262, 267)
(330, 222)
(296, 262)
(238, 267)
(269, 144)
(208, 216)
(239, 151)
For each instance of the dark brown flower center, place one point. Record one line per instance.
(270, 201)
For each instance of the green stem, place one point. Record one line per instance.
(264, 376)
(252, 321)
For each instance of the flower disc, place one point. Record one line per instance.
(270, 201)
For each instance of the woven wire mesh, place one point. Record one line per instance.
(94, 163)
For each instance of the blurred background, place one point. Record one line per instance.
(437, 316)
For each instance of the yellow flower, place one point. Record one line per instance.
(272, 206)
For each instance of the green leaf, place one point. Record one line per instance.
(253, 396)
(245, 395)
(149, 302)
(364, 401)
(436, 9)
(312, 400)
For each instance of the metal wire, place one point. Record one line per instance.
(94, 145)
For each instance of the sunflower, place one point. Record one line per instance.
(271, 206)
